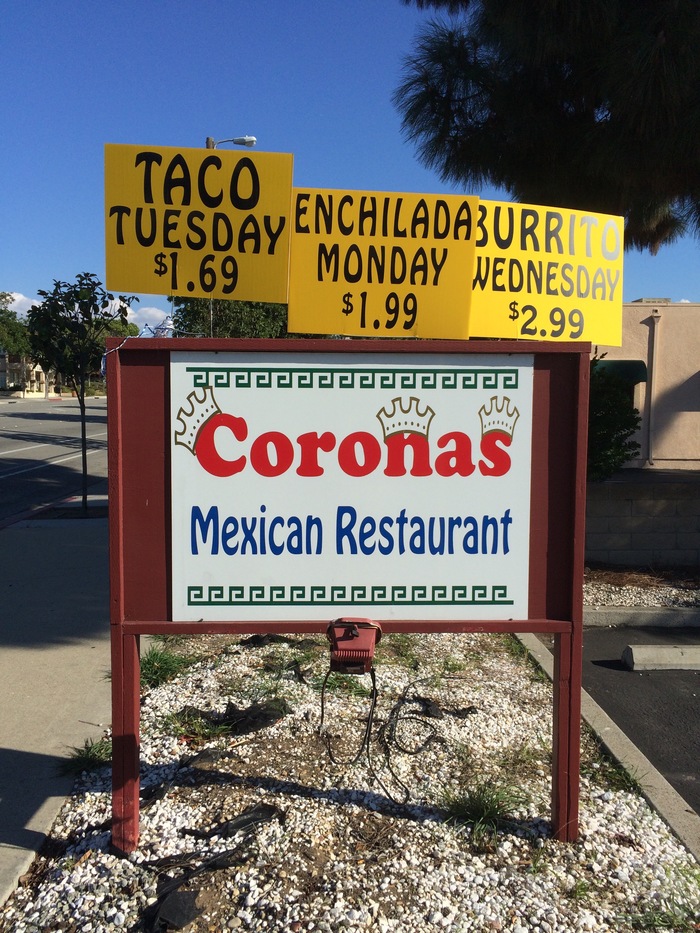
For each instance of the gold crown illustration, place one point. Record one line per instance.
(405, 419)
(498, 416)
(192, 416)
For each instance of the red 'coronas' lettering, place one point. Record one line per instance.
(397, 444)
(498, 457)
(458, 461)
(205, 447)
(348, 454)
(358, 454)
(309, 446)
(283, 453)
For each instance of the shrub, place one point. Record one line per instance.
(612, 420)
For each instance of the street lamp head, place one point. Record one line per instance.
(248, 141)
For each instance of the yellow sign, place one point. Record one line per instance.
(544, 273)
(197, 222)
(373, 264)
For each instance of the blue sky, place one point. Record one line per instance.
(310, 77)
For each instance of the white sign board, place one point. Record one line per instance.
(307, 486)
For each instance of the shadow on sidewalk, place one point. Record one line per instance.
(21, 800)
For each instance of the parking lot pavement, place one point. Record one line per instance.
(659, 710)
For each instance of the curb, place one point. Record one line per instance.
(681, 819)
(661, 657)
(662, 616)
(38, 513)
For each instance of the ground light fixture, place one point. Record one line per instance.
(248, 141)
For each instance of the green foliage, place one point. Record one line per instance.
(67, 330)
(612, 420)
(587, 104)
(193, 727)
(13, 331)
(91, 757)
(405, 648)
(66, 334)
(118, 328)
(350, 684)
(159, 665)
(486, 806)
(217, 318)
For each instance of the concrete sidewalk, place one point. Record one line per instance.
(54, 662)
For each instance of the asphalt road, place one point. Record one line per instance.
(40, 457)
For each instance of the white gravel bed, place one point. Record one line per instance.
(339, 849)
(607, 594)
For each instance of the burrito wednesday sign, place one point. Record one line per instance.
(544, 273)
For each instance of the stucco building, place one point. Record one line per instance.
(660, 357)
(648, 515)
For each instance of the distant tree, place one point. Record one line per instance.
(588, 104)
(13, 331)
(119, 328)
(66, 333)
(612, 421)
(218, 318)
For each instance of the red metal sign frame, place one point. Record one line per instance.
(138, 374)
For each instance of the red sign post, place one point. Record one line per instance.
(437, 416)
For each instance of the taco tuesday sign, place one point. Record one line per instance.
(197, 222)
(304, 487)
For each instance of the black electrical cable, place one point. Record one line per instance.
(368, 729)
(386, 736)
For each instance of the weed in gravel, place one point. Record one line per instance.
(307, 651)
(539, 858)
(454, 665)
(343, 683)
(158, 665)
(675, 912)
(486, 807)
(404, 649)
(170, 641)
(525, 760)
(191, 727)
(91, 757)
(464, 763)
(679, 920)
(600, 767)
(265, 685)
(579, 891)
(515, 648)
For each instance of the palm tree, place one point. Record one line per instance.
(588, 104)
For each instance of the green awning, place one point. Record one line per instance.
(630, 371)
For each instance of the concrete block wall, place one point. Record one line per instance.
(644, 518)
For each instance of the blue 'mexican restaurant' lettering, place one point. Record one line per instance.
(254, 534)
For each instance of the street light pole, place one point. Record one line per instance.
(211, 143)
(248, 141)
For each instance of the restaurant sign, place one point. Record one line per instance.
(306, 486)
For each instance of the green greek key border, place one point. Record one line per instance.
(353, 594)
(338, 377)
